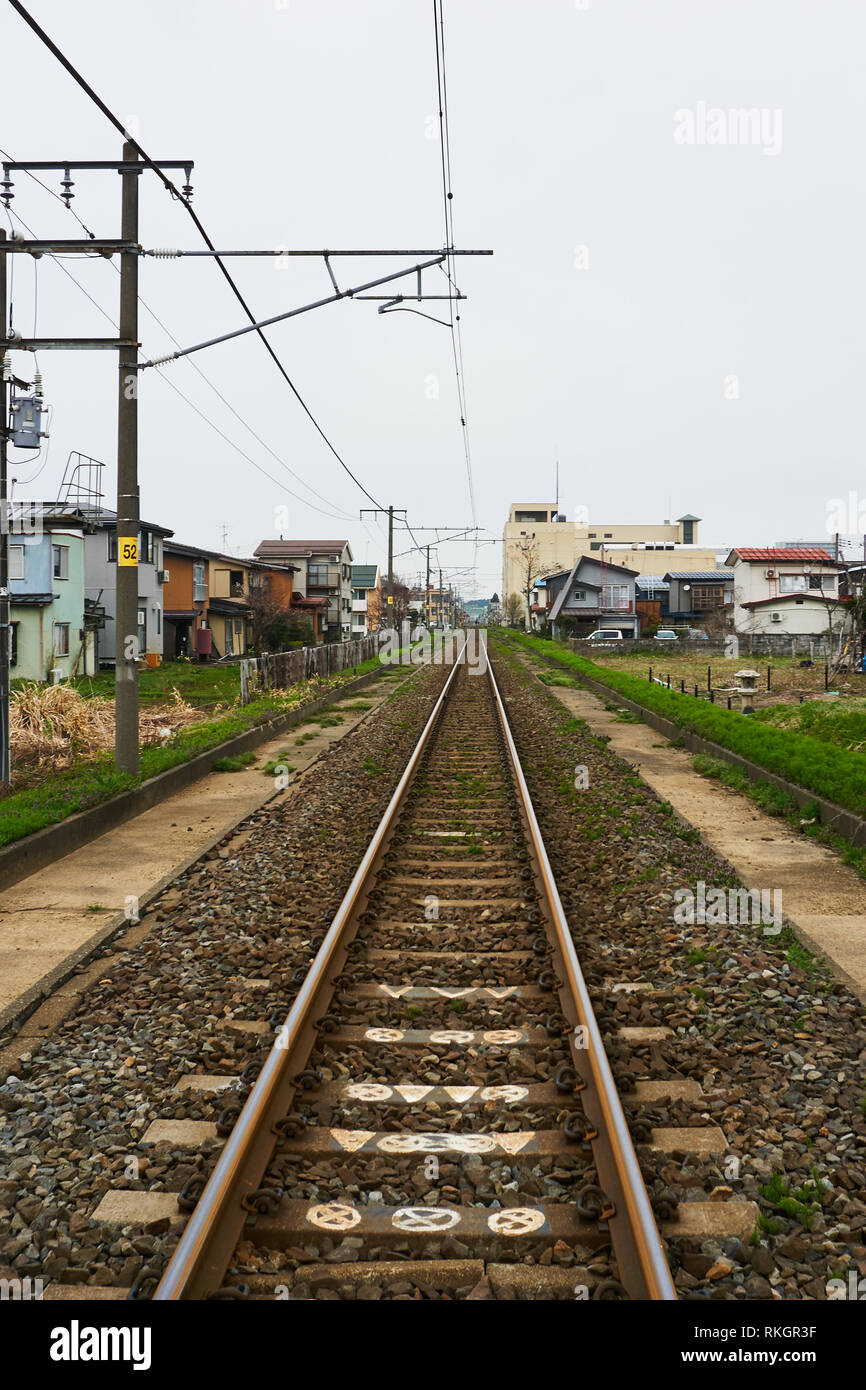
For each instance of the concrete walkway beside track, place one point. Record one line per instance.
(823, 899)
(52, 921)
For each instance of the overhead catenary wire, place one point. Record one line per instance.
(175, 192)
(448, 268)
(106, 315)
(336, 513)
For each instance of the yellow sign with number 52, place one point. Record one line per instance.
(127, 551)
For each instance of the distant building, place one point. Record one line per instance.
(324, 571)
(366, 599)
(554, 543)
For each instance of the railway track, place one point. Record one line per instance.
(442, 1045)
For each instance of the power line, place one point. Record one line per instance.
(171, 188)
(336, 514)
(448, 269)
(106, 315)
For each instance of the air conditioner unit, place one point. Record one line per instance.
(163, 576)
(777, 617)
(56, 675)
(770, 574)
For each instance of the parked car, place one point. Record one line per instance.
(603, 635)
(665, 634)
(697, 634)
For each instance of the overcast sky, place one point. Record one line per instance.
(680, 324)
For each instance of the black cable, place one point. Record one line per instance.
(85, 86)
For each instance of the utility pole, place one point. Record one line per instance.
(126, 651)
(379, 511)
(390, 556)
(5, 771)
(427, 587)
(127, 347)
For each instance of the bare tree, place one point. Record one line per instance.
(530, 570)
(513, 609)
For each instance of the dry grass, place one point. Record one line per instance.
(54, 723)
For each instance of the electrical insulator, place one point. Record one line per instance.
(6, 184)
(187, 187)
(67, 184)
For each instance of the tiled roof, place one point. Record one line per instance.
(772, 555)
(278, 547)
(814, 595)
(704, 576)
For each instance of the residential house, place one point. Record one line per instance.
(651, 598)
(100, 576)
(209, 597)
(53, 627)
(786, 591)
(593, 595)
(366, 599)
(692, 594)
(185, 597)
(324, 571)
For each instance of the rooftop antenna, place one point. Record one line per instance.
(557, 486)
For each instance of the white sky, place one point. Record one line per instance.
(306, 122)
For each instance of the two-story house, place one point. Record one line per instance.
(366, 599)
(100, 580)
(791, 592)
(209, 599)
(593, 594)
(53, 628)
(694, 594)
(324, 571)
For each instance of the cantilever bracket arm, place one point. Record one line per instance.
(292, 313)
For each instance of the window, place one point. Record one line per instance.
(155, 553)
(13, 642)
(60, 561)
(359, 593)
(16, 562)
(199, 583)
(579, 596)
(792, 584)
(112, 547)
(822, 581)
(317, 576)
(707, 596)
(615, 596)
(61, 639)
(595, 545)
(592, 535)
(236, 583)
(146, 556)
(688, 532)
(230, 649)
(608, 535)
(142, 630)
(239, 626)
(158, 612)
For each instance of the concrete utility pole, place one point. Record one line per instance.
(379, 511)
(5, 772)
(427, 588)
(127, 347)
(126, 651)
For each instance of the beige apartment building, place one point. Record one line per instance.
(558, 543)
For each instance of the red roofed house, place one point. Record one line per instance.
(790, 592)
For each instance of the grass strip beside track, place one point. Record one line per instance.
(812, 763)
(91, 781)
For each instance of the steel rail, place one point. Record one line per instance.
(650, 1258)
(192, 1271)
